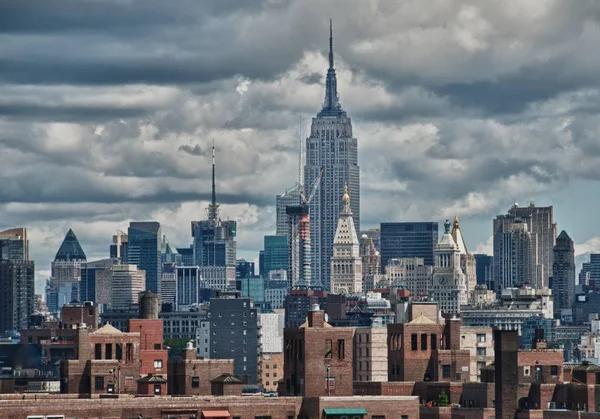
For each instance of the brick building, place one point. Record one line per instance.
(57, 338)
(192, 376)
(317, 358)
(110, 361)
(424, 349)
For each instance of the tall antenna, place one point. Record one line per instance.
(213, 208)
(300, 159)
(331, 44)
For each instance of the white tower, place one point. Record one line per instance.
(346, 263)
(449, 287)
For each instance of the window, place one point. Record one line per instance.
(157, 346)
(108, 351)
(119, 351)
(157, 364)
(267, 383)
(413, 341)
(268, 375)
(99, 383)
(157, 391)
(378, 417)
(275, 375)
(274, 365)
(527, 371)
(481, 352)
(553, 370)
(98, 351)
(129, 351)
(445, 371)
(480, 337)
(433, 341)
(341, 349)
(424, 342)
(328, 348)
(195, 382)
(267, 366)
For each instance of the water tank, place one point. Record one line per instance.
(149, 305)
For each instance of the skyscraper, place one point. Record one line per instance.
(143, 250)
(543, 229)
(514, 264)
(346, 263)
(276, 253)
(332, 150)
(127, 283)
(484, 270)
(289, 197)
(14, 244)
(408, 240)
(17, 274)
(563, 274)
(213, 239)
(63, 286)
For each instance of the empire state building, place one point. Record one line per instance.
(331, 148)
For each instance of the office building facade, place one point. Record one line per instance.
(543, 229)
(514, 254)
(188, 286)
(96, 282)
(17, 294)
(563, 274)
(231, 331)
(276, 249)
(14, 244)
(408, 240)
(127, 282)
(484, 265)
(144, 247)
(332, 153)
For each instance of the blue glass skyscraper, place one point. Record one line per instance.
(144, 250)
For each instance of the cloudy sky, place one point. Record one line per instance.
(108, 110)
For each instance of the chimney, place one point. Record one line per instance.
(506, 349)
(539, 341)
(189, 352)
(316, 317)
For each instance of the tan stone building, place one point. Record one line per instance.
(370, 354)
(480, 344)
(271, 368)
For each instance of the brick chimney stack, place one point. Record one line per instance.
(316, 317)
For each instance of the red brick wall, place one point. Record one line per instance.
(151, 332)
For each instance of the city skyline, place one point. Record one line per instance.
(94, 150)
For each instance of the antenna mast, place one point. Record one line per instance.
(300, 183)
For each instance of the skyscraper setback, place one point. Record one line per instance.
(332, 149)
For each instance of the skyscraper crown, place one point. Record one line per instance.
(331, 106)
(70, 249)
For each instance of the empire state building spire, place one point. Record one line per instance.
(332, 106)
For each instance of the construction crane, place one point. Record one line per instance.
(313, 190)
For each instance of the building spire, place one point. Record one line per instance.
(331, 44)
(331, 106)
(213, 207)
